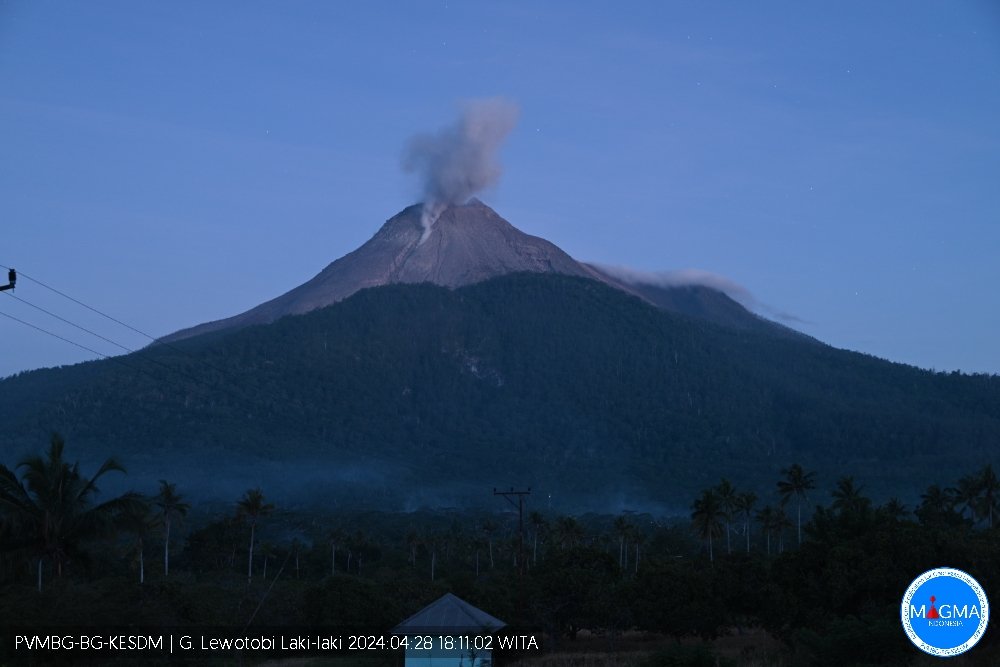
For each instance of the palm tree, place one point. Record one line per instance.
(744, 506)
(637, 539)
(989, 488)
(335, 536)
(568, 532)
(936, 505)
(267, 551)
(938, 498)
(296, 548)
(489, 527)
(707, 515)
(433, 542)
(796, 484)
(622, 528)
(895, 509)
(453, 538)
(727, 501)
(171, 506)
(52, 509)
(412, 542)
(363, 548)
(966, 496)
(767, 517)
(781, 524)
(537, 522)
(250, 508)
(139, 522)
(847, 497)
(477, 542)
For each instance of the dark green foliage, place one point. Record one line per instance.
(346, 601)
(217, 546)
(833, 601)
(574, 589)
(680, 599)
(686, 656)
(48, 513)
(852, 640)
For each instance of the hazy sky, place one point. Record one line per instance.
(176, 162)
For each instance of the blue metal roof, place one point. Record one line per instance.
(449, 614)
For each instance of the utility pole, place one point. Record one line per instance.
(11, 280)
(520, 520)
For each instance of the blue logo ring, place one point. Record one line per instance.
(951, 630)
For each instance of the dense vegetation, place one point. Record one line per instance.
(412, 394)
(734, 570)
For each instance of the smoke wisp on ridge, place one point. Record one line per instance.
(684, 277)
(681, 278)
(461, 159)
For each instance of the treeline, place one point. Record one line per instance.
(830, 597)
(563, 384)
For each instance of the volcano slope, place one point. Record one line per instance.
(419, 394)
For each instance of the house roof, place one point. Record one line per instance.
(448, 614)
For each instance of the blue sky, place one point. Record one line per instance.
(172, 163)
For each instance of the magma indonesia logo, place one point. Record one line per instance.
(945, 612)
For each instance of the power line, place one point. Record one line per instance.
(107, 356)
(113, 319)
(520, 520)
(247, 402)
(145, 354)
(120, 361)
(93, 333)
(22, 274)
(72, 324)
(71, 342)
(225, 390)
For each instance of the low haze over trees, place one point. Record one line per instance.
(830, 600)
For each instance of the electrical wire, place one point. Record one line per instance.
(247, 402)
(72, 324)
(116, 359)
(71, 342)
(21, 274)
(93, 333)
(127, 349)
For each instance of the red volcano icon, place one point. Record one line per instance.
(933, 613)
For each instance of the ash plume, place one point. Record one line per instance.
(461, 159)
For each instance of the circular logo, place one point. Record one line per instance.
(945, 612)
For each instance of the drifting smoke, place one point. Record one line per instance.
(460, 160)
(685, 277)
(681, 278)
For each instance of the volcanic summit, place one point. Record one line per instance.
(468, 243)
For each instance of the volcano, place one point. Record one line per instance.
(470, 243)
(413, 373)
